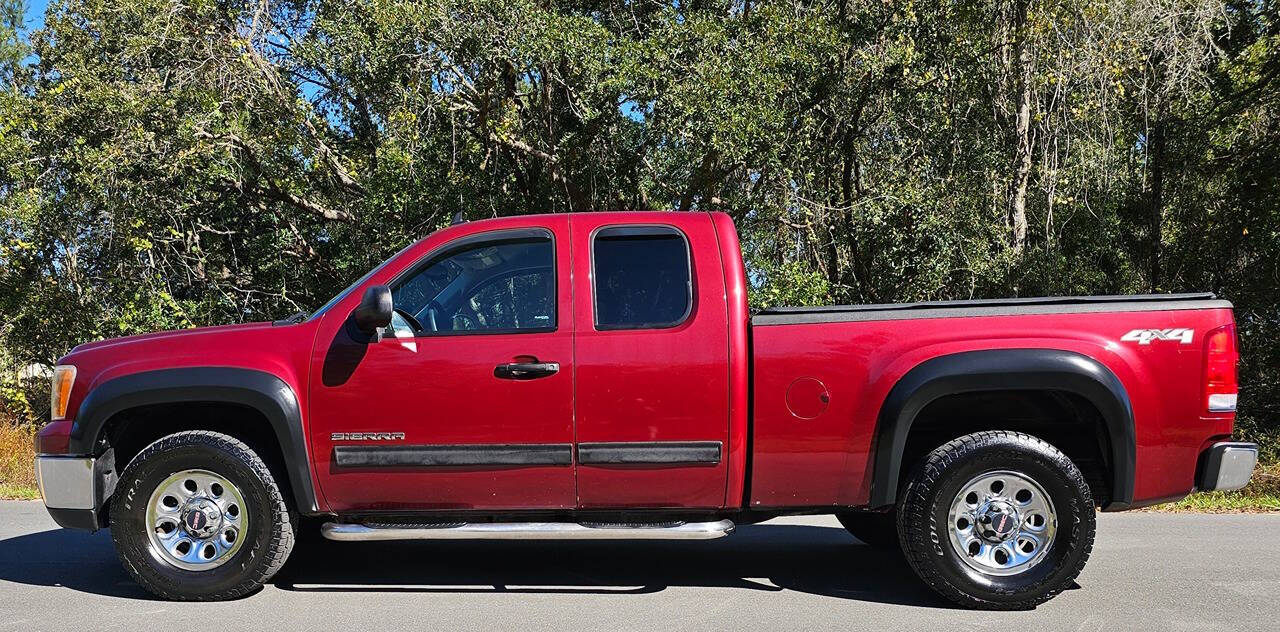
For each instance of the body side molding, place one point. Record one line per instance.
(473, 455)
(256, 389)
(1003, 369)
(650, 453)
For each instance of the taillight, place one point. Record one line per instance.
(1220, 358)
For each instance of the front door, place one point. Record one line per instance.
(466, 401)
(651, 355)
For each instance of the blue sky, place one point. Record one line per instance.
(35, 13)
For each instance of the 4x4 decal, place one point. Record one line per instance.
(1145, 336)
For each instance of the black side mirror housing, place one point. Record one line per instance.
(374, 310)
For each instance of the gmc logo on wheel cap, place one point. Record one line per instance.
(1145, 336)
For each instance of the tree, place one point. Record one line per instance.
(176, 164)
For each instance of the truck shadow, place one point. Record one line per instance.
(64, 557)
(818, 560)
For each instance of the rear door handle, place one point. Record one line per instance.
(525, 370)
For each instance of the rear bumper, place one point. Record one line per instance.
(1226, 466)
(74, 488)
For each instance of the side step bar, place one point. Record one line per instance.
(349, 532)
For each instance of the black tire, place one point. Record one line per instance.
(269, 534)
(878, 530)
(924, 522)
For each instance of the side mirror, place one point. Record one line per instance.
(374, 310)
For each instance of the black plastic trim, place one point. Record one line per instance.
(85, 519)
(993, 307)
(259, 390)
(292, 319)
(1146, 502)
(650, 452)
(475, 332)
(106, 475)
(462, 455)
(1003, 369)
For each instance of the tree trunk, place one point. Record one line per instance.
(1155, 199)
(1022, 131)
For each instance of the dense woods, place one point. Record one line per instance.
(173, 163)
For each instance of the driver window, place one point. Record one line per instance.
(505, 285)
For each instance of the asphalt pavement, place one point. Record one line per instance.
(1148, 572)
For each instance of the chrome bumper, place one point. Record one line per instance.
(67, 482)
(75, 487)
(1227, 466)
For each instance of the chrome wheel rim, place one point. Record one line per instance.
(1002, 523)
(195, 519)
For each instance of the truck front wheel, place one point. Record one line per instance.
(197, 516)
(997, 520)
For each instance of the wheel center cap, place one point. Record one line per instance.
(201, 518)
(998, 521)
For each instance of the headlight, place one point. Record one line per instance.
(60, 393)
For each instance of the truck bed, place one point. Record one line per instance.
(812, 451)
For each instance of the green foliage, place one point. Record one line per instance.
(788, 283)
(168, 165)
(1266, 434)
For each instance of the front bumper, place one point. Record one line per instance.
(75, 488)
(1226, 466)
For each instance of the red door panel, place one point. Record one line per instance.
(475, 436)
(651, 401)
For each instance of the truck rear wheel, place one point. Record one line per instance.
(997, 520)
(197, 516)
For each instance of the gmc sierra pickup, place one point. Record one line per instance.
(600, 376)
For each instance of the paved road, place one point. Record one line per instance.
(1148, 572)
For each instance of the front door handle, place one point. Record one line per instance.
(525, 370)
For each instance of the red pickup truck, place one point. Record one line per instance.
(600, 376)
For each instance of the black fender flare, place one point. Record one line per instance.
(1003, 369)
(256, 389)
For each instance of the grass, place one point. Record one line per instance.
(18, 492)
(17, 477)
(1261, 495)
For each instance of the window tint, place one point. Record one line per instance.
(641, 277)
(516, 301)
(493, 286)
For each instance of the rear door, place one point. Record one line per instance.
(651, 358)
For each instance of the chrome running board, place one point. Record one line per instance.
(349, 532)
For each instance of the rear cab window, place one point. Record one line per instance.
(641, 276)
